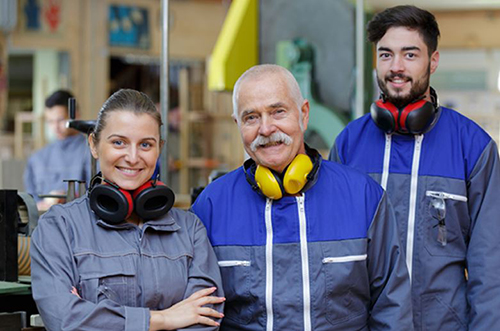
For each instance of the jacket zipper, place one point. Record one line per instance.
(269, 266)
(387, 158)
(305, 263)
(413, 203)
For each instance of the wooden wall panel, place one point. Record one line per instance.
(469, 29)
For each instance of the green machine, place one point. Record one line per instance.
(324, 123)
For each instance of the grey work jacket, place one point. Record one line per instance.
(120, 272)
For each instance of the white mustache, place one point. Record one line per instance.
(277, 137)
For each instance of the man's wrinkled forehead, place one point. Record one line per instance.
(253, 88)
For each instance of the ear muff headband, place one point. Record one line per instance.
(113, 205)
(300, 173)
(414, 118)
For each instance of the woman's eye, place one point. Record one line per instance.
(145, 145)
(117, 142)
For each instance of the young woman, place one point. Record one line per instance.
(140, 271)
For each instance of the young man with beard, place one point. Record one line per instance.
(302, 244)
(441, 172)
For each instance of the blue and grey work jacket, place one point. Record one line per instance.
(119, 272)
(328, 259)
(445, 187)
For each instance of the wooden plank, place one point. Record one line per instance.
(469, 29)
(184, 130)
(195, 27)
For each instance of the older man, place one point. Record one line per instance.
(303, 244)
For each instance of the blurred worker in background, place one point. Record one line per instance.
(66, 158)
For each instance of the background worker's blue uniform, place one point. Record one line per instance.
(46, 169)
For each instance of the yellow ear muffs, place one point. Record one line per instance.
(268, 183)
(296, 175)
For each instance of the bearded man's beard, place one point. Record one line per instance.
(417, 90)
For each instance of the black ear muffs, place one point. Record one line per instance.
(413, 118)
(110, 203)
(114, 205)
(153, 200)
(298, 176)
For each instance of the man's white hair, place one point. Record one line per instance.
(264, 70)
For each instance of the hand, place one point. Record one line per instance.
(188, 312)
(75, 292)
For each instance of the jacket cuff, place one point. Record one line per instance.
(136, 319)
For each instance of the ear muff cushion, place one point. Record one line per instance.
(269, 184)
(153, 201)
(296, 174)
(385, 115)
(418, 116)
(112, 205)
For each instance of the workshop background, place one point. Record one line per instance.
(95, 47)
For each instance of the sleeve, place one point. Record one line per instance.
(389, 281)
(54, 273)
(29, 179)
(483, 261)
(204, 270)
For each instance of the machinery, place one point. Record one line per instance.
(324, 123)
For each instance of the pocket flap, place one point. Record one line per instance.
(98, 266)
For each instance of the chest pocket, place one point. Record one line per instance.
(446, 223)
(108, 278)
(236, 270)
(346, 281)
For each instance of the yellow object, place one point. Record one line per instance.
(294, 180)
(236, 49)
(296, 175)
(268, 183)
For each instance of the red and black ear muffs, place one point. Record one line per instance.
(413, 118)
(114, 205)
(275, 185)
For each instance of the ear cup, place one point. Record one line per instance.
(269, 183)
(111, 204)
(296, 174)
(384, 114)
(416, 117)
(153, 200)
